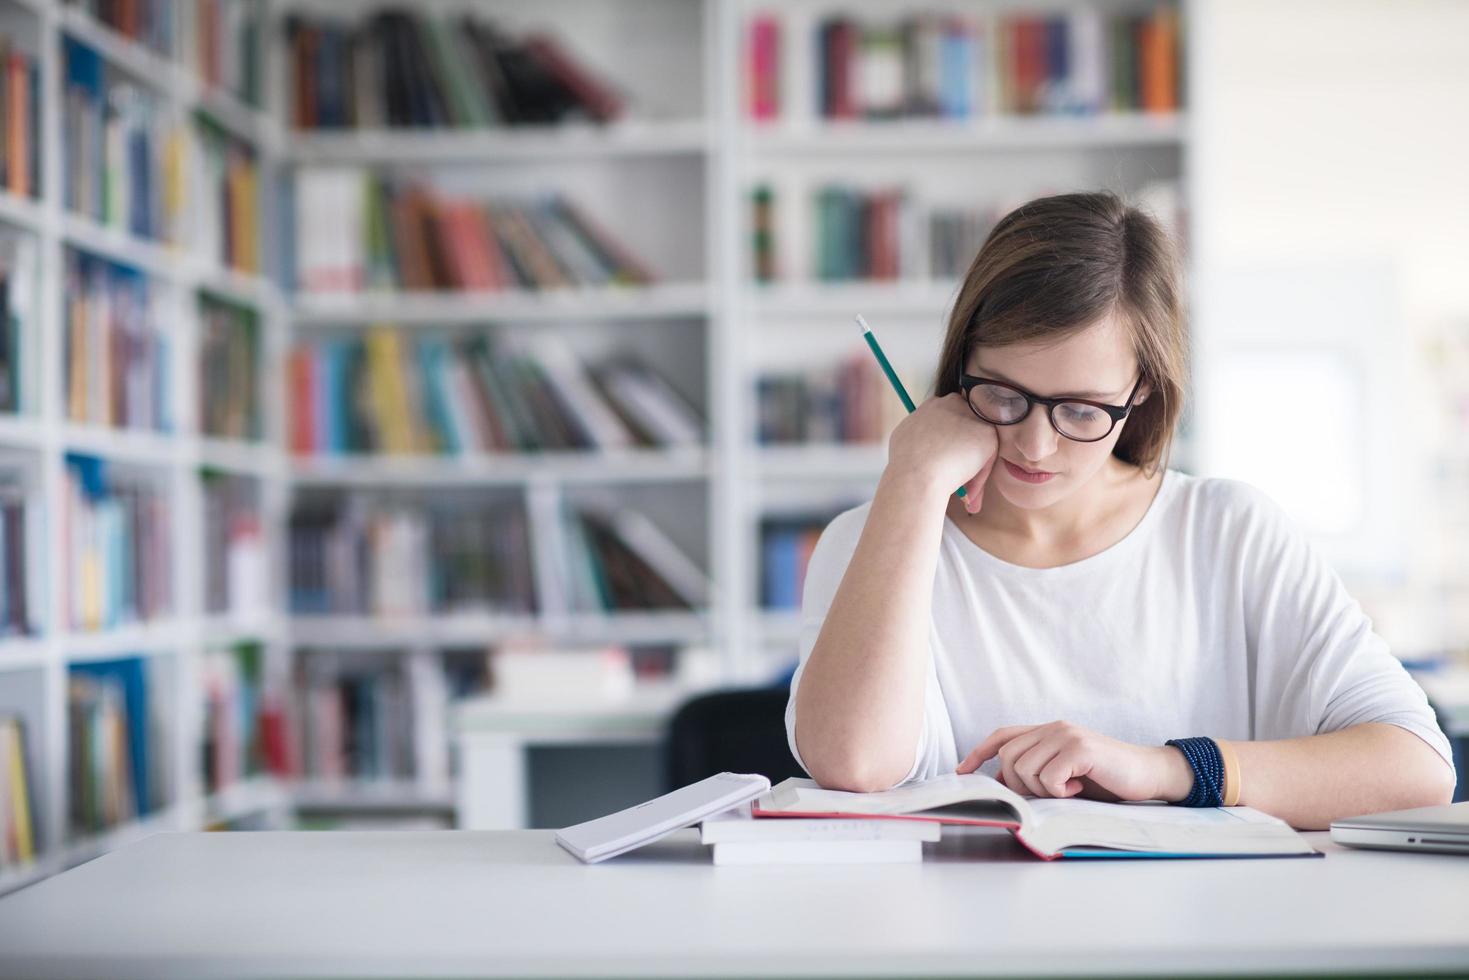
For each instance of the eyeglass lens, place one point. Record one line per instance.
(1075, 420)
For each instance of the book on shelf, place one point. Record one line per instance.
(359, 231)
(19, 828)
(401, 69)
(617, 559)
(152, 23)
(229, 370)
(226, 184)
(357, 716)
(115, 542)
(1049, 828)
(235, 559)
(764, 259)
(123, 157)
(15, 568)
(1084, 61)
(20, 133)
(361, 556)
(228, 35)
(848, 403)
(243, 719)
(763, 55)
(786, 543)
(386, 392)
(115, 353)
(18, 317)
(117, 743)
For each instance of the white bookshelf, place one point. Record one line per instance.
(682, 170)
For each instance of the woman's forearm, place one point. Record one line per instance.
(1311, 781)
(859, 703)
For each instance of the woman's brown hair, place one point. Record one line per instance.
(1059, 264)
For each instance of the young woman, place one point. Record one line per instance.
(1084, 605)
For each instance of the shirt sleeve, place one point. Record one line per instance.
(1319, 665)
(829, 560)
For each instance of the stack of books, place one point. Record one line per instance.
(227, 41)
(18, 826)
(387, 393)
(846, 403)
(235, 559)
(1080, 62)
(735, 837)
(229, 370)
(18, 314)
(227, 179)
(20, 143)
(115, 355)
(15, 603)
(356, 714)
(123, 159)
(115, 537)
(243, 725)
(358, 231)
(151, 23)
(399, 69)
(364, 556)
(117, 750)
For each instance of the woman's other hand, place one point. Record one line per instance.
(1062, 759)
(945, 442)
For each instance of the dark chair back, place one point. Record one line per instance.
(740, 730)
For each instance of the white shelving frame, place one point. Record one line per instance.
(737, 480)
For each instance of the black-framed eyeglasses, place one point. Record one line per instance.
(1078, 419)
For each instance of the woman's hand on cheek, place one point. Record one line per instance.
(1062, 759)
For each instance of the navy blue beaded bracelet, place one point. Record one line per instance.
(1204, 758)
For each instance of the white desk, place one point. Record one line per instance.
(461, 903)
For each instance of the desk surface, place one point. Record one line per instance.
(512, 902)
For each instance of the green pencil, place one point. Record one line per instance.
(887, 369)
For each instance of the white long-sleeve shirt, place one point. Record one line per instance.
(1213, 616)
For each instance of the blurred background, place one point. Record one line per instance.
(422, 417)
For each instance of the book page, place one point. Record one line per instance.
(1158, 827)
(797, 795)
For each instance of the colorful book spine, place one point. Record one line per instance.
(227, 175)
(16, 607)
(246, 730)
(764, 75)
(227, 46)
(19, 828)
(116, 557)
(786, 544)
(20, 162)
(18, 317)
(151, 23)
(234, 546)
(115, 355)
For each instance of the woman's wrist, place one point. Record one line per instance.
(1175, 775)
(914, 484)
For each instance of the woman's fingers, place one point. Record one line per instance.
(1030, 763)
(974, 489)
(1012, 751)
(1059, 776)
(982, 752)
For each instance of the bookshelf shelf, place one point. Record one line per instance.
(505, 469)
(19, 211)
(845, 300)
(820, 462)
(21, 430)
(144, 65)
(466, 629)
(660, 301)
(383, 795)
(23, 653)
(238, 287)
(261, 793)
(630, 139)
(995, 133)
(250, 459)
(138, 446)
(142, 639)
(158, 259)
(79, 851)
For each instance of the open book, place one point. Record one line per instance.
(1052, 828)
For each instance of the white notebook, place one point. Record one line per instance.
(738, 825)
(620, 832)
(818, 852)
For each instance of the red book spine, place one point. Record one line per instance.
(841, 65)
(765, 68)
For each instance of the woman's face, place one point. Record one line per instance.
(1096, 363)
